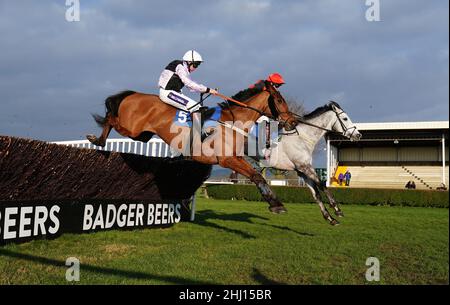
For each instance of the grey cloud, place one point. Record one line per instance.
(53, 74)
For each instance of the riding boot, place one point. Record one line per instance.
(204, 113)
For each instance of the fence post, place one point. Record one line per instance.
(193, 207)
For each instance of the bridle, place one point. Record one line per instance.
(344, 128)
(339, 119)
(274, 111)
(274, 94)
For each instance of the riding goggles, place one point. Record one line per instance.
(195, 64)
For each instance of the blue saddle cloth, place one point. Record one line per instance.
(184, 119)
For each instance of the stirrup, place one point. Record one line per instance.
(201, 110)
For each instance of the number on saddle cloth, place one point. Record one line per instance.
(184, 119)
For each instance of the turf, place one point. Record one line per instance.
(236, 242)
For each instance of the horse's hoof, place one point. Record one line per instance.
(278, 209)
(92, 138)
(339, 213)
(334, 222)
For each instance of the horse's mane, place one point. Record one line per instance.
(242, 96)
(321, 110)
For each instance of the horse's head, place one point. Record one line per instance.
(279, 109)
(343, 124)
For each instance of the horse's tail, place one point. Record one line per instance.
(112, 102)
(100, 120)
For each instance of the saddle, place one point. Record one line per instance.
(206, 114)
(209, 118)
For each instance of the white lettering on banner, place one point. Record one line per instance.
(98, 222)
(164, 214)
(9, 222)
(171, 210)
(17, 221)
(110, 211)
(177, 212)
(55, 228)
(121, 221)
(39, 222)
(87, 217)
(130, 215)
(130, 222)
(150, 217)
(140, 215)
(25, 221)
(158, 214)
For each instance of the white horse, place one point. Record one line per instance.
(295, 149)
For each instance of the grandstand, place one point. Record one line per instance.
(391, 154)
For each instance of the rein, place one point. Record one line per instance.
(239, 103)
(226, 98)
(301, 120)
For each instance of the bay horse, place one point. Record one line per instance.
(140, 116)
(294, 149)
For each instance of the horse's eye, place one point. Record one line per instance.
(345, 119)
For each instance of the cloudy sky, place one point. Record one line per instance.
(55, 73)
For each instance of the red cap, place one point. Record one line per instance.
(276, 78)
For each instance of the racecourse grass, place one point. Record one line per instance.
(237, 242)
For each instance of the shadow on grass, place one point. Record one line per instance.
(262, 279)
(102, 270)
(285, 228)
(202, 218)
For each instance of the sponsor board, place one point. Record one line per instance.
(22, 221)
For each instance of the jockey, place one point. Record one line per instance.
(275, 78)
(277, 81)
(175, 76)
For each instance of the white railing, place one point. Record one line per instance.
(153, 148)
(285, 182)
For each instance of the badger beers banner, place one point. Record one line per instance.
(27, 220)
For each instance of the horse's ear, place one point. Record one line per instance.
(332, 105)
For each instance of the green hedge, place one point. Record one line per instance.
(416, 198)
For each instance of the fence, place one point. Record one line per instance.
(153, 148)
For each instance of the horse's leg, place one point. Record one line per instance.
(311, 173)
(105, 133)
(312, 181)
(241, 166)
(333, 202)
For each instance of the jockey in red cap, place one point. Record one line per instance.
(275, 78)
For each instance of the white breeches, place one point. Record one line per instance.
(178, 100)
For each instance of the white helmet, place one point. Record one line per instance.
(192, 56)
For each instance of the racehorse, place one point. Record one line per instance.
(140, 116)
(295, 149)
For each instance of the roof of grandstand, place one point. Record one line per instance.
(403, 125)
(388, 131)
